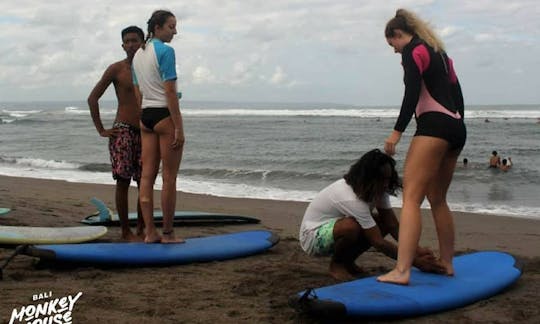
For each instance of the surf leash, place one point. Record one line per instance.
(18, 250)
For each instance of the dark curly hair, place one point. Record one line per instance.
(133, 29)
(367, 177)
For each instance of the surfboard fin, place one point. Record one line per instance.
(103, 211)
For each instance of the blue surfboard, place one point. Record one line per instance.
(201, 249)
(4, 211)
(477, 276)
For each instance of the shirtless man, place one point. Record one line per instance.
(124, 136)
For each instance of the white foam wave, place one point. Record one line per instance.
(359, 113)
(526, 114)
(76, 111)
(243, 190)
(86, 111)
(19, 113)
(45, 164)
(496, 210)
(294, 112)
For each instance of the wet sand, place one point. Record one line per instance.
(247, 290)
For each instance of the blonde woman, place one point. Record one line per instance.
(162, 133)
(433, 95)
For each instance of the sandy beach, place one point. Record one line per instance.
(247, 290)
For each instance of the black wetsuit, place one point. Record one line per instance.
(432, 94)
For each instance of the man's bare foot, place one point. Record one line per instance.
(152, 238)
(139, 231)
(141, 235)
(339, 271)
(395, 277)
(354, 269)
(169, 237)
(130, 237)
(140, 228)
(448, 266)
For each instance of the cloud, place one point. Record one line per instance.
(203, 75)
(279, 77)
(335, 49)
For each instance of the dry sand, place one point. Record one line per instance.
(247, 290)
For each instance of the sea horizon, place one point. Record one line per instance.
(281, 151)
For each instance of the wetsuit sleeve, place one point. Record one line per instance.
(413, 83)
(455, 89)
(458, 99)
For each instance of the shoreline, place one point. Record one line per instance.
(246, 290)
(503, 211)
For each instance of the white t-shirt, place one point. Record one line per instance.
(336, 201)
(151, 66)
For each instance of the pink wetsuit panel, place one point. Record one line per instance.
(426, 103)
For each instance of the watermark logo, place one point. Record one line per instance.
(52, 311)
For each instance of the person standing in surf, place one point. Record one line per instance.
(433, 95)
(154, 67)
(124, 136)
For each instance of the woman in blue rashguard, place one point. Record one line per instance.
(154, 76)
(433, 95)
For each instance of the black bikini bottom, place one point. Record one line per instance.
(151, 116)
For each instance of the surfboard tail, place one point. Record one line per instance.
(307, 302)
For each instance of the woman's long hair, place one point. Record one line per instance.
(367, 176)
(410, 23)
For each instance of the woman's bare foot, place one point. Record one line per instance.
(169, 237)
(152, 237)
(395, 277)
(339, 271)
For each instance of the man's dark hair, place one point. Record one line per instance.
(366, 176)
(133, 29)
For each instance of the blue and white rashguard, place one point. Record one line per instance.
(151, 67)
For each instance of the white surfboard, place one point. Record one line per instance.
(49, 235)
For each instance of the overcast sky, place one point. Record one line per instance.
(271, 51)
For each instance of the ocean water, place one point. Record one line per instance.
(279, 151)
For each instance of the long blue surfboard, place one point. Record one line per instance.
(201, 249)
(477, 276)
(4, 211)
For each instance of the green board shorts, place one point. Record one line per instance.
(324, 239)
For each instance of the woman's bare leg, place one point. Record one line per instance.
(421, 165)
(441, 212)
(171, 158)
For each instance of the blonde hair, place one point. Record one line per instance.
(410, 23)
